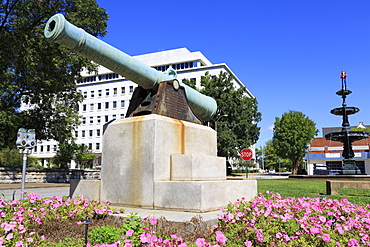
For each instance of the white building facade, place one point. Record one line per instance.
(107, 96)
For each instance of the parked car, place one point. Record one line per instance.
(320, 170)
(272, 171)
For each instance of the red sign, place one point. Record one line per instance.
(246, 154)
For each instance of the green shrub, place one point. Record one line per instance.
(11, 158)
(105, 235)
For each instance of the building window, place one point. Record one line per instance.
(84, 107)
(90, 146)
(41, 148)
(98, 132)
(76, 133)
(97, 146)
(115, 91)
(98, 119)
(90, 133)
(114, 117)
(47, 148)
(91, 107)
(131, 89)
(55, 148)
(99, 106)
(83, 120)
(83, 133)
(106, 105)
(114, 104)
(99, 93)
(107, 92)
(92, 94)
(91, 120)
(35, 149)
(106, 118)
(123, 90)
(122, 115)
(85, 95)
(122, 104)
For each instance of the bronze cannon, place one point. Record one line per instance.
(170, 99)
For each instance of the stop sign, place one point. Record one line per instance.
(246, 154)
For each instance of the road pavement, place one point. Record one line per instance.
(13, 191)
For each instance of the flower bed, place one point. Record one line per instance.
(268, 220)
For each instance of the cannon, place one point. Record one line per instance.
(158, 92)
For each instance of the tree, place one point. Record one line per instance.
(237, 115)
(270, 157)
(39, 73)
(84, 156)
(292, 134)
(65, 153)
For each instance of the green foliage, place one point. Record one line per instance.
(308, 188)
(84, 156)
(361, 129)
(65, 153)
(105, 235)
(33, 162)
(11, 158)
(110, 234)
(292, 134)
(237, 116)
(270, 157)
(68, 242)
(190, 82)
(39, 73)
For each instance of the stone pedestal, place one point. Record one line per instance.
(158, 162)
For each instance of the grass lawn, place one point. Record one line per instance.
(308, 188)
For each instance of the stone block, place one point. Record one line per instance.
(197, 167)
(201, 196)
(90, 189)
(137, 151)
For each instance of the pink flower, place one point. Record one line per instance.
(153, 221)
(19, 244)
(259, 235)
(248, 243)
(220, 238)
(325, 237)
(353, 242)
(129, 233)
(315, 230)
(200, 242)
(9, 236)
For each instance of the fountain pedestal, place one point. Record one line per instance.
(346, 136)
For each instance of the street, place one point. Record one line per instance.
(278, 175)
(11, 194)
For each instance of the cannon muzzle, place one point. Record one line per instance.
(60, 31)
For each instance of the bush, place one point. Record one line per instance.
(105, 235)
(11, 158)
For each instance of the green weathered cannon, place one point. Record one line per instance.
(60, 31)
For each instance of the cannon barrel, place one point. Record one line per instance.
(60, 31)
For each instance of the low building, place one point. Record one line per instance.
(325, 156)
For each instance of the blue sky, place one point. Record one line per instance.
(289, 54)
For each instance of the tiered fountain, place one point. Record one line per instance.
(346, 136)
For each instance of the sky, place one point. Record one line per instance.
(288, 53)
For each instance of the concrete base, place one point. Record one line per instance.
(201, 196)
(154, 161)
(88, 188)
